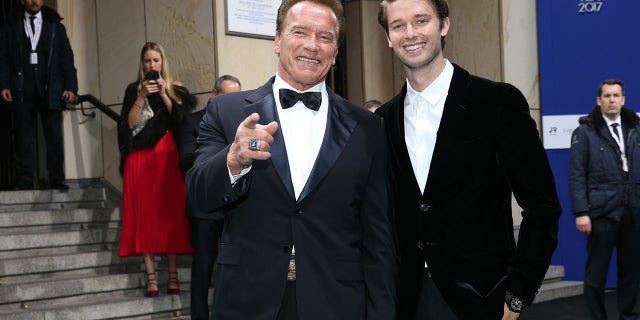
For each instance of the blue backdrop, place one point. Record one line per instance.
(577, 50)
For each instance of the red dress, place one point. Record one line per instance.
(154, 198)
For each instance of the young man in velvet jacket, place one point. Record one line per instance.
(460, 146)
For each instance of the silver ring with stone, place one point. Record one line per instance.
(254, 144)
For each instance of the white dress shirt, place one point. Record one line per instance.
(422, 115)
(303, 132)
(619, 140)
(33, 35)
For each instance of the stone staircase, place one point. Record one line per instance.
(59, 259)
(553, 287)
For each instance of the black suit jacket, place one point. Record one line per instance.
(487, 147)
(187, 147)
(59, 72)
(340, 224)
(187, 135)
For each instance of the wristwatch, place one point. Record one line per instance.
(514, 303)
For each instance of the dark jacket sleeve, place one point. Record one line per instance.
(4, 56)
(530, 176)
(124, 132)
(182, 110)
(209, 188)
(187, 145)
(66, 62)
(578, 168)
(379, 240)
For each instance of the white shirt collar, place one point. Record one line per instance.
(279, 83)
(38, 16)
(437, 90)
(609, 122)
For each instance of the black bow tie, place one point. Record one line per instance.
(311, 100)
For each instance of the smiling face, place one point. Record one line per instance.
(415, 32)
(308, 44)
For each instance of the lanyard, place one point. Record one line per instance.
(33, 35)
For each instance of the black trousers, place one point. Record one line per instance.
(204, 240)
(605, 235)
(289, 307)
(7, 163)
(431, 305)
(25, 123)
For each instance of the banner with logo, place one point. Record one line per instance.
(581, 43)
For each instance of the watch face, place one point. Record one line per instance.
(516, 304)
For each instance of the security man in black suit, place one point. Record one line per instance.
(205, 228)
(37, 76)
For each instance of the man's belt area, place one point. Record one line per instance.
(291, 275)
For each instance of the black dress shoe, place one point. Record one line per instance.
(59, 185)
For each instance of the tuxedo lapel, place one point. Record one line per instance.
(395, 124)
(263, 103)
(340, 125)
(451, 126)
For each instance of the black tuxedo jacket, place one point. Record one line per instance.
(487, 147)
(340, 225)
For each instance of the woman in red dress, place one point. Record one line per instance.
(154, 196)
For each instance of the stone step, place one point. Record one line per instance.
(173, 315)
(8, 198)
(21, 241)
(56, 206)
(554, 273)
(106, 246)
(558, 289)
(72, 286)
(128, 304)
(31, 268)
(56, 263)
(133, 266)
(100, 225)
(11, 220)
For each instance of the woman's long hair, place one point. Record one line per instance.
(165, 73)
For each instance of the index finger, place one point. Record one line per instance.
(251, 121)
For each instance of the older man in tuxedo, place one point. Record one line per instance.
(299, 175)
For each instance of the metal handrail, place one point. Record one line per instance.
(98, 104)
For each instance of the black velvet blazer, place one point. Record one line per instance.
(487, 148)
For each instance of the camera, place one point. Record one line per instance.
(152, 75)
